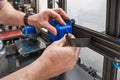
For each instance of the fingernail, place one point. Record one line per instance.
(55, 32)
(65, 24)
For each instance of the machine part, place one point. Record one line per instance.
(78, 42)
(10, 34)
(61, 30)
(2, 53)
(77, 74)
(15, 4)
(117, 60)
(3, 64)
(11, 50)
(29, 30)
(2, 28)
(116, 65)
(28, 46)
(1, 45)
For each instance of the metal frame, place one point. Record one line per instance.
(112, 29)
(101, 43)
(61, 4)
(105, 44)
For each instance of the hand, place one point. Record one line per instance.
(41, 20)
(58, 58)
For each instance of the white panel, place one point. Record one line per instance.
(89, 13)
(42, 5)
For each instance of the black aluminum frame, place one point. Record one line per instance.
(105, 44)
(61, 4)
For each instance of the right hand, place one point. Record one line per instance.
(58, 58)
(41, 20)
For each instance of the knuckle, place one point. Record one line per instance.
(58, 15)
(47, 12)
(60, 9)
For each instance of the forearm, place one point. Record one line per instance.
(34, 71)
(10, 16)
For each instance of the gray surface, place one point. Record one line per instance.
(3, 65)
(77, 74)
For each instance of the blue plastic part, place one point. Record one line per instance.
(61, 30)
(118, 40)
(116, 65)
(29, 30)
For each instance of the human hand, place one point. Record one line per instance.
(41, 20)
(58, 58)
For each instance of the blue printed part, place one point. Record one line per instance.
(61, 30)
(116, 65)
(29, 30)
(118, 40)
(53, 22)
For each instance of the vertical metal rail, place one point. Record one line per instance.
(49, 3)
(61, 4)
(112, 29)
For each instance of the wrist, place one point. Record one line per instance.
(37, 70)
(25, 19)
(30, 20)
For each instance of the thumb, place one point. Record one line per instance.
(63, 41)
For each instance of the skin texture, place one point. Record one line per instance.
(56, 59)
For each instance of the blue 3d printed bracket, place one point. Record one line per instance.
(61, 30)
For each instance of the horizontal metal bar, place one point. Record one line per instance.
(44, 35)
(101, 43)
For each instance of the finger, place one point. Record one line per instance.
(50, 28)
(71, 35)
(63, 42)
(57, 17)
(62, 13)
